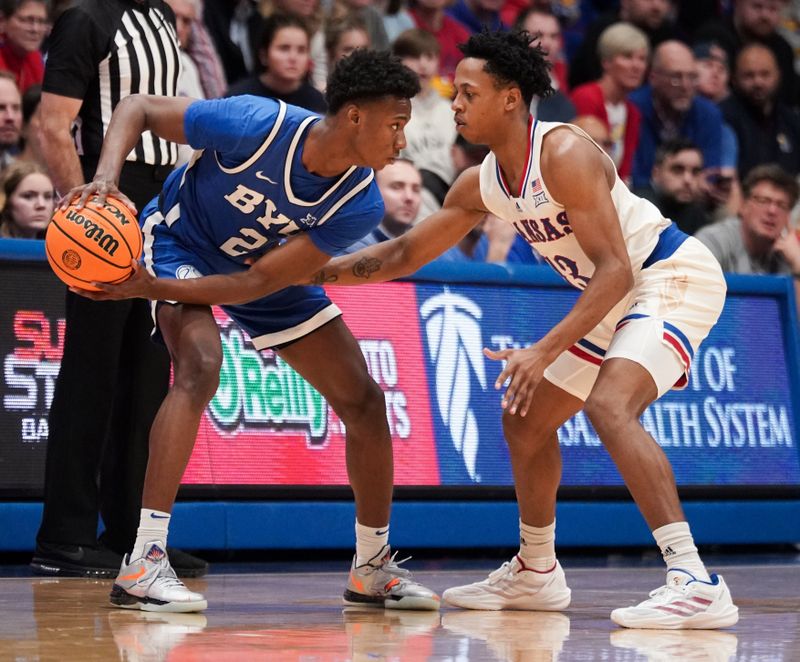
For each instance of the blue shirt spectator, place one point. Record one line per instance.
(671, 109)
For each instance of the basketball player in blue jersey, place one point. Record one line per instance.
(650, 295)
(274, 194)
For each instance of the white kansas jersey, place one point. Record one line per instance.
(544, 223)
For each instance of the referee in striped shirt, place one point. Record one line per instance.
(113, 377)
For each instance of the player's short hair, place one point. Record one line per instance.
(775, 175)
(416, 43)
(619, 39)
(674, 146)
(510, 58)
(367, 75)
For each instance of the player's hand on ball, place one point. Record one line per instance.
(525, 369)
(140, 285)
(95, 192)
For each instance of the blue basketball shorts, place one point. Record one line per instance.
(270, 321)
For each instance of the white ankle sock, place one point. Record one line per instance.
(370, 541)
(537, 546)
(153, 525)
(678, 549)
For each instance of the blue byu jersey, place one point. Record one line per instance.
(248, 190)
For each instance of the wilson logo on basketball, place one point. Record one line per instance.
(94, 231)
(71, 260)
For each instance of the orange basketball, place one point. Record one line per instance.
(93, 244)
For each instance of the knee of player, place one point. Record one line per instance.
(524, 435)
(607, 411)
(364, 402)
(198, 370)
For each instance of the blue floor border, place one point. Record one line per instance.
(231, 525)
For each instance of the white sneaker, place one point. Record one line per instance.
(683, 645)
(510, 635)
(682, 603)
(513, 586)
(150, 584)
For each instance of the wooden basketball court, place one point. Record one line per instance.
(298, 617)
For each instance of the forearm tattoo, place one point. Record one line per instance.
(320, 278)
(366, 266)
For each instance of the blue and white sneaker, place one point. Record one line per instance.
(683, 603)
(150, 584)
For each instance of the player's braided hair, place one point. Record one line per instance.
(367, 74)
(510, 58)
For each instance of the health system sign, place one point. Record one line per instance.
(733, 425)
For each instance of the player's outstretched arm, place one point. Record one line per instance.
(462, 210)
(288, 264)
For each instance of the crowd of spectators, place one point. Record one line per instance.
(698, 104)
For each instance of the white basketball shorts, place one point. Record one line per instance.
(659, 324)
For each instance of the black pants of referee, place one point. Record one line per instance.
(113, 379)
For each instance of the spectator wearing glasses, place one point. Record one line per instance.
(671, 108)
(760, 240)
(24, 25)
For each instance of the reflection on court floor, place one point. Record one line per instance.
(297, 617)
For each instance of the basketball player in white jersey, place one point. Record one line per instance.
(650, 296)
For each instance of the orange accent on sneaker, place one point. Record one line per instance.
(359, 585)
(392, 583)
(134, 576)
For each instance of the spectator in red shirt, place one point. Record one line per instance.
(429, 16)
(24, 25)
(623, 50)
